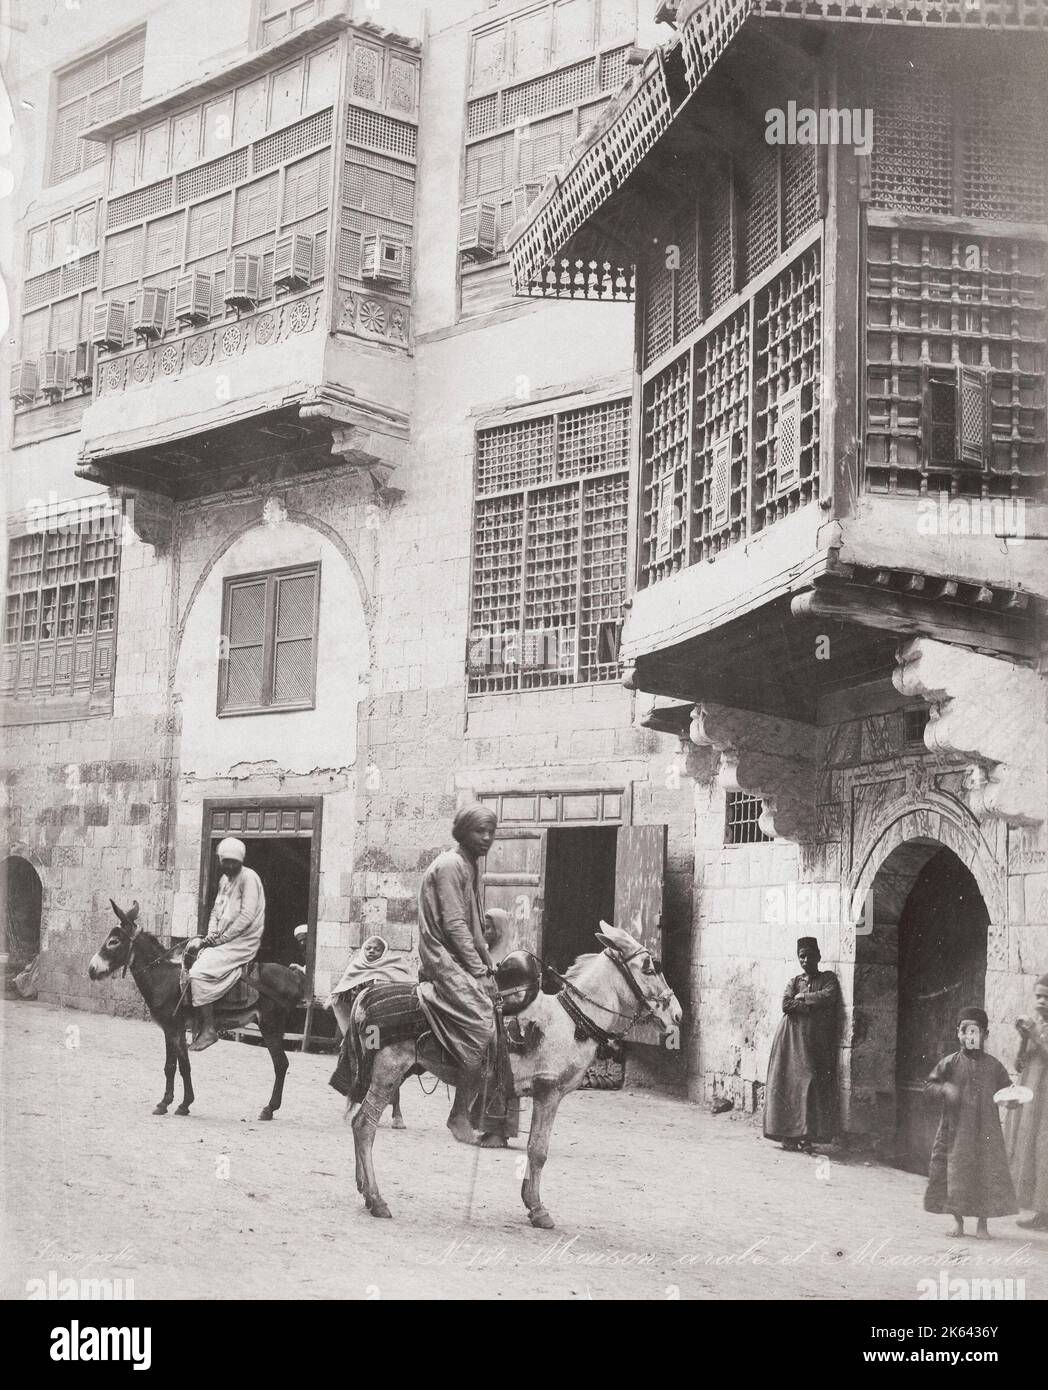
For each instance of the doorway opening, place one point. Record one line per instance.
(579, 891)
(942, 968)
(283, 866)
(22, 898)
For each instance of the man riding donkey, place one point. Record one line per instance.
(234, 934)
(457, 989)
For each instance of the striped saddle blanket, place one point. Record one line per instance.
(394, 1011)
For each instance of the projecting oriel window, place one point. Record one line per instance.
(268, 649)
(549, 549)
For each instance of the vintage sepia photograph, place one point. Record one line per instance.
(524, 683)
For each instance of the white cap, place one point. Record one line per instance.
(232, 849)
(303, 930)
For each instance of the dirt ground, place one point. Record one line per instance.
(653, 1197)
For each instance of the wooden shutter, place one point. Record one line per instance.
(720, 483)
(514, 878)
(640, 873)
(294, 639)
(245, 631)
(973, 416)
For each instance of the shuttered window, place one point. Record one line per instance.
(269, 637)
(94, 90)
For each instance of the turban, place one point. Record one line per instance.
(503, 930)
(971, 1015)
(806, 942)
(473, 818)
(232, 849)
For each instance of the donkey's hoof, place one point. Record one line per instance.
(398, 1122)
(541, 1218)
(265, 1113)
(378, 1207)
(182, 1110)
(160, 1109)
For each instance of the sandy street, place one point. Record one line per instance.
(654, 1198)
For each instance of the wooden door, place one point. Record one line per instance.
(640, 874)
(514, 880)
(942, 968)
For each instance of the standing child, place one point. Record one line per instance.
(968, 1175)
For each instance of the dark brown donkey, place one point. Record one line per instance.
(156, 972)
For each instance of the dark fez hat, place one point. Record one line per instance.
(974, 1016)
(805, 941)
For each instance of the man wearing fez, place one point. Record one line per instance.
(800, 1099)
(457, 990)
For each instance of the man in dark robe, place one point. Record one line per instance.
(1029, 1127)
(800, 1099)
(968, 1174)
(457, 990)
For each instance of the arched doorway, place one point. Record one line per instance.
(931, 898)
(942, 967)
(22, 895)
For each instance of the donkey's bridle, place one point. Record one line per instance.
(569, 996)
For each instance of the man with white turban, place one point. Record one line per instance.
(234, 934)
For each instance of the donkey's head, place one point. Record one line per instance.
(644, 975)
(115, 951)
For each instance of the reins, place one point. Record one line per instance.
(570, 993)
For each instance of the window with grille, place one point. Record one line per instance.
(952, 139)
(549, 549)
(60, 610)
(742, 819)
(731, 426)
(96, 89)
(955, 363)
(269, 640)
(537, 80)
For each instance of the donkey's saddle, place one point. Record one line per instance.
(519, 978)
(394, 1010)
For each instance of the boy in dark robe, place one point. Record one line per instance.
(799, 1105)
(968, 1175)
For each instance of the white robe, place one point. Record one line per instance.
(237, 922)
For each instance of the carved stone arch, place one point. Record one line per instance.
(300, 518)
(938, 822)
(899, 848)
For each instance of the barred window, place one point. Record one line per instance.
(742, 819)
(268, 649)
(96, 89)
(60, 610)
(549, 549)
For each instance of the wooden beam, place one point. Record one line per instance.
(893, 612)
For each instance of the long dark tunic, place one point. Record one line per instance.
(968, 1174)
(800, 1099)
(453, 990)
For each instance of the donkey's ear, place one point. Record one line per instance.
(605, 940)
(132, 912)
(113, 905)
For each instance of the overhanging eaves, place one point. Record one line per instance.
(574, 242)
